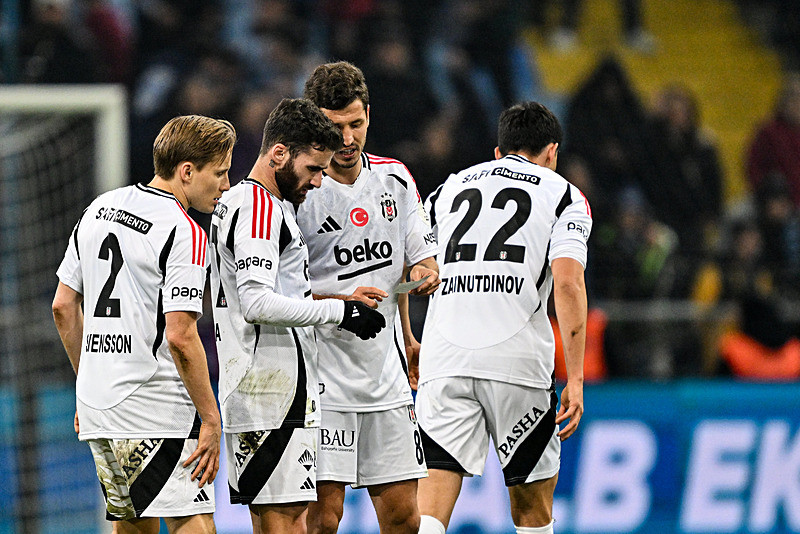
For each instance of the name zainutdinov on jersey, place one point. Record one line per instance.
(108, 343)
(482, 283)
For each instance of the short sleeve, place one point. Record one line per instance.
(571, 230)
(185, 270)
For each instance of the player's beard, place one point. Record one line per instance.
(288, 183)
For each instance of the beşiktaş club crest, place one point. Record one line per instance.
(388, 207)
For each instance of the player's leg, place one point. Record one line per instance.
(396, 506)
(144, 525)
(532, 503)
(325, 514)
(437, 497)
(194, 524)
(339, 448)
(287, 517)
(274, 473)
(144, 479)
(390, 461)
(455, 439)
(522, 423)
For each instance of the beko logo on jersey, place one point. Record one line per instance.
(379, 250)
(508, 173)
(522, 427)
(578, 228)
(253, 261)
(108, 343)
(125, 219)
(187, 292)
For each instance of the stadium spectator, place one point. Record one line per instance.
(635, 260)
(606, 125)
(779, 223)
(136, 264)
(687, 192)
(56, 47)
(776, 146)
(400, 99)
(114, 39)
(565, 37)
(251, 114)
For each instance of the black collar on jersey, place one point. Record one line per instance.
(517, 157)
(155, 191)
(253, 181)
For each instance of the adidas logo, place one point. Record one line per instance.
(355, 313)
(201, 497)
(329, 226)
(308, 485)
(306, 460)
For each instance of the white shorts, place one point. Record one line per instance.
(457, 415)
(369, 448)
(272, 466)
(146, 478)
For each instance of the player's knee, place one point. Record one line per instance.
(323, 522)
(403, 518)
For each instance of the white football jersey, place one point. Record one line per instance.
(263, 311)
(134, 255)
(360, 235)
(499, 225)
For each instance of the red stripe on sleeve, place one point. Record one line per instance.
(255, 211)
(269, 216)
(193, 225)
(586, 201)
(261, 213)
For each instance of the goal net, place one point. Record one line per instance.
(59, 148)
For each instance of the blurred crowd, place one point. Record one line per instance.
(439, 72)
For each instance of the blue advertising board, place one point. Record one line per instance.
(676, 457)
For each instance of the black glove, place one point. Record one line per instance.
(361, 320)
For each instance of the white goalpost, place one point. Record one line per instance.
(60, 146)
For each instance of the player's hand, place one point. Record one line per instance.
(362, 320)
(206, 454)
(76, 424)
(571, 408)
(428, 286)
(412, 355)
(370, 296)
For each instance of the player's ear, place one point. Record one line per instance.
(278, 154)
(551, 156)
(497, 154)
(184, 171)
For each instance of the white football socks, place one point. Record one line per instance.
(547, 529)
(430, 525)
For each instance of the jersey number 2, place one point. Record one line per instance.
(109, 250)
(498, 249)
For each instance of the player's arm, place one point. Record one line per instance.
(569, 294)
(190, 359)
(422, 269)
(409, 340)
(368, 295)
(68, 316)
